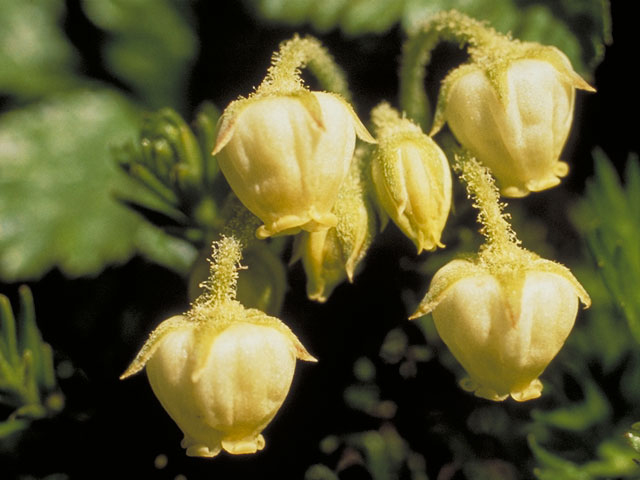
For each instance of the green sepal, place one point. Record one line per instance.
(153, 343)
(456, 270)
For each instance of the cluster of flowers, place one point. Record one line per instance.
(290, 156)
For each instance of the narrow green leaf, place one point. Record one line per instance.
(13, 426)
(31, 390)
(30, 338)
(48, 380)
(8, 332)
(553, 467)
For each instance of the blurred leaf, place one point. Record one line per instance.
(609, 217)
(320, 472)
(578, 416)
(56, 178)
(35, 56)
(579, 31)
(614, 460)
(633, 436)
(27, 378)
(151, 46)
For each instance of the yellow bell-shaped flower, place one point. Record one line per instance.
(512, 106)
(221, 371)
(505, 312)
(503, 328)
(412, 178)
(285, 150)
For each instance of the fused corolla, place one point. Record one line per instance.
(503, 325)
(285, 157)
(221, 371)
(514, 114)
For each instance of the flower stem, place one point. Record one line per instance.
(500, 237)
(451, 26)
(223, 276)
(283, 76)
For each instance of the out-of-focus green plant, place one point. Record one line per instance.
(57, 178)
(593, 432)
(139, 51)
(27, 379)
(184, 192)
(537, 21)
(633, 437)
(610, 219)
(56, 175)
(35, 56)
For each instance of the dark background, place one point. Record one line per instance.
(115, 429)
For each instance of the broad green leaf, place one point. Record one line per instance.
(35, 56)
(56, 179)
(150, 46)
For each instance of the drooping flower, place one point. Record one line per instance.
(221, 371)
(504, 326)
(505, 312)
(512, 107)
(285, 151)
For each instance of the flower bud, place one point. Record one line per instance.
(285, 157)
(514, 115)
(412, 179)
(331, 256)
(503, 326)
(221, 371)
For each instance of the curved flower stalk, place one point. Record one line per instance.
(221, 371)
(504, 313)
(511, 105)
(285, 150)
(331, 256)
(412, 178)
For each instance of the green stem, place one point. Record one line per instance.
(451, 26)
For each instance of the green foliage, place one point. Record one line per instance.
(56, 179)
(579, 31)
(614, 459)
(609, 218)
(35, 56)
(185, 195)
(633, 436)
(139, 50)
(27, 378)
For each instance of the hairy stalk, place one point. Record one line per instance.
(223, 278)
(283, 76)
(501, 239)
(450, 26)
